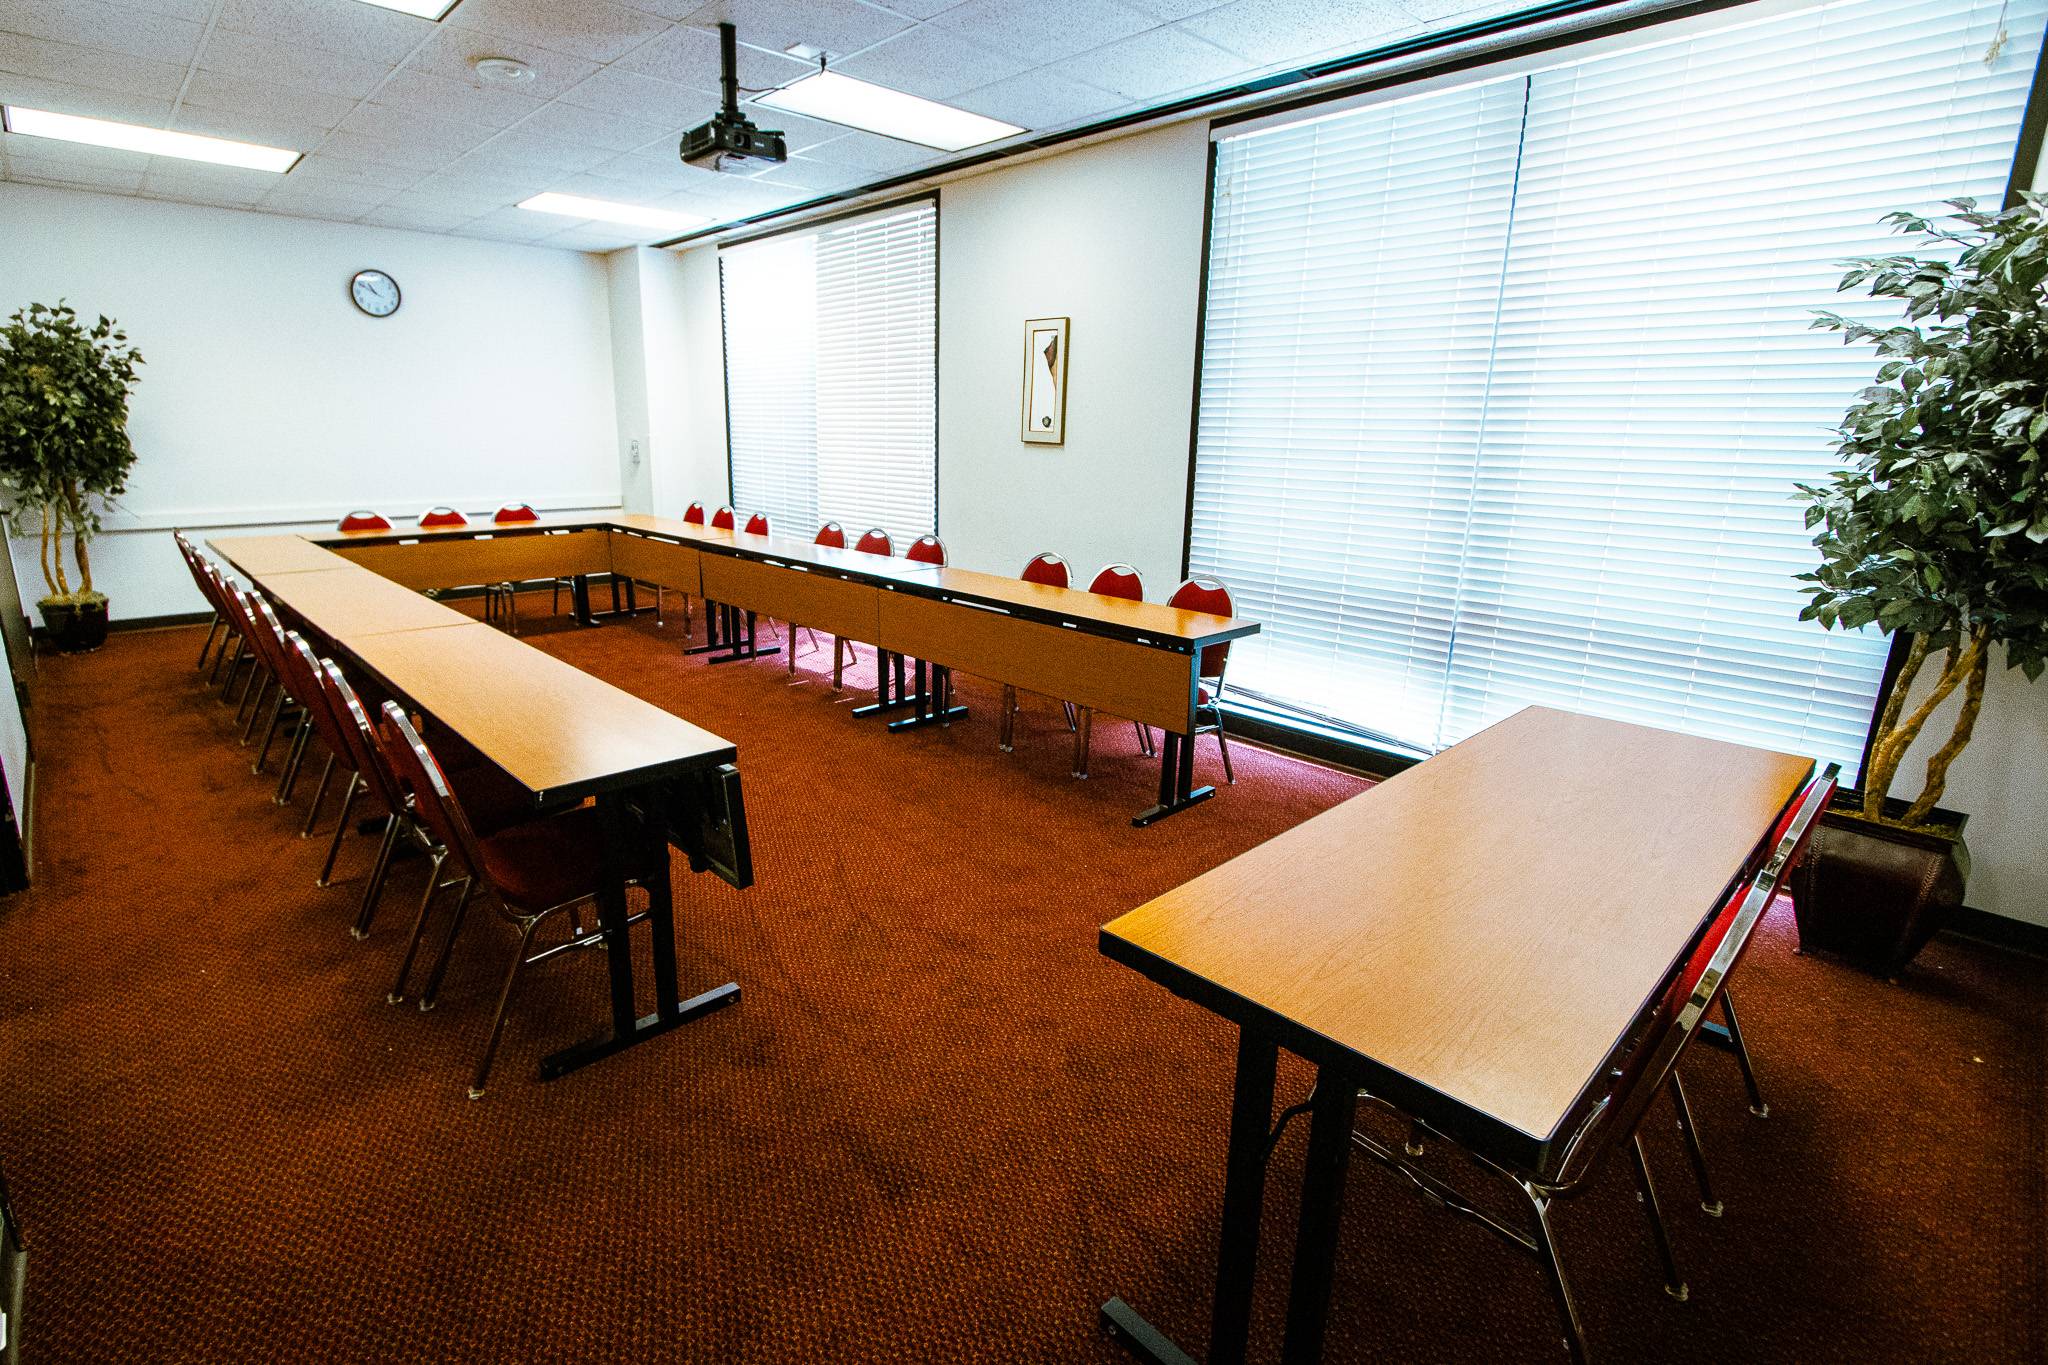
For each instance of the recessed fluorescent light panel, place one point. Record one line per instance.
(604, 210)
(129, 137)
(425, 9)
(872, 108)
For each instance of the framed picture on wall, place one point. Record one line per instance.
(1045, 381)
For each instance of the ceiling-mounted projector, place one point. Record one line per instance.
(731, 142)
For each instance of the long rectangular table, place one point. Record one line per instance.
(1475, 940)
(559, 732)
(1139, 660)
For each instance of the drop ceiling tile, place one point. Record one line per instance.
(252, 57)
(689, 56)
(497, 185)
(652, 171)
(31, 92)
(323, 201)
(107, 28)
(643, 97)
(1280, 31)
(1172, 11)
(330, 169)
(346, 27)
(196, 182)
(821, 176)
(338, 213)
(595, 128)
(595, 237)
(427, 201)
(453, 50)
(918, 9)
(349, 146)
(1040, 100)
(1046, 31)
(515, 225)
(198, 11)
(931, 62)
(295, 103)
(872, 152)
(205, 196)
(423, 133)
(70, 174)
(467, 101)
(414, 219)
(798, 133)
(69, 64)
(72, 153)
(595, 29)
(241, 127)
(1432, 10)
(1154, 64)
(521, 151)
(841, 27)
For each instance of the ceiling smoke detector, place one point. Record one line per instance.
(502, 71)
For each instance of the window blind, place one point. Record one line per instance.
(831, 370)
(1505, 386)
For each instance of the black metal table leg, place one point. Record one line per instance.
(579, 596)
(928, 699)
(737, 643)
(887, 697)
(1176, 780)
(1331, 1116)
(629, 841)
(1244, 1195)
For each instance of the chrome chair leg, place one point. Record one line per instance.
(1081, 735)
(1708, 1203)
(1757, 1104)
(206, 645)
(1073, 721)
(373, 888)
(419, 925)
(319, 795)
(1646, 1190)
(483, 1066)
(1223, 747)
(1546, 1251)
(432, 992)
(348, 801)
(255, 713)
(230, 658)
(1145, 740)
(1006, 732)
(269, 731)
(294, 756)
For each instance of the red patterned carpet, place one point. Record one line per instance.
(937, 1127)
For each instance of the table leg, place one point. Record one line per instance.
(1177, 790)
(928, 699)
(1244, 1194)
(579, 596)
(739, 642)
(889, 696)
(1331, 1117)
(629, 840)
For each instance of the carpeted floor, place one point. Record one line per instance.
(937, 1127)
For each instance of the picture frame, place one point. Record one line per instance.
(1045, 381)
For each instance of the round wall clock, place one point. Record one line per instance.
(375, 292)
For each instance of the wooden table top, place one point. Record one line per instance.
(552, 727)
(480, 526)
(350, 602)
(1481, 931)
(1153, 619)
(274, 554)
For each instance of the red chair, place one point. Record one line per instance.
(1208, 595)
(873, 541)
(270, 631)
(694, 514)
(1047, 570)
(1112, 580)
(363, 521)
(306, 686)
(230, 594)
(192, 566)
(831, 536)
(722, 519)
(757, 524)
(514, 513)
(533, 870)
(441, 516)
(926, 550)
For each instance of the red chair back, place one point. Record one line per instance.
(1206, 594)
(875, 541)
(513, 512)
(926, 550)
(270, 641)
(757, 524)
(307, 690)
(433, 798)
(695, 515)
(721, 520)
(1047, 568)
(1119, 580)
(360, 736)
(830, 536)
(442, 516)
(363, 521)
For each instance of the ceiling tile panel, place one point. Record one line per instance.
(689, 56)
(1046, 31)
(377, 151)
(872, 152)
(453, 52)
(414, 219)
(75, 175)
(347, 27)
(841, 27)
(1040, 100)
(252, 57)
(32, 92)
(440, 137)
(1152, 65)
(636, 96)
(515, 225)
(934, 63)
(594, 237)
(918, 9)
(69, 64)
(197, 11)
(367, 177)
(519, 150)
(1278, 31)
(213, 90)
(241, 127)
(466, 101)
(108, 28)
(595, 128)
(594, 29)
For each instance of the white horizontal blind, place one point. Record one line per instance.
(831, 374)
(1624, 535)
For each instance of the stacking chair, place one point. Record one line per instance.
(285, 708)
(1614, 1117)
(533, 870)
(1112, 580)
(441, 516)
(193, 566)
(501, 599)
(693, 515)
(363, 521)
(312, 695)
(932, 550)
(360, 735)
(757, 524)
(873, 541)
(1049, 570)
(1206, 594)
(832, 537)
(229, 593)
(514, 514)
(722, 519)
(262, 664)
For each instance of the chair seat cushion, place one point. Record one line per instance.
(545, 862)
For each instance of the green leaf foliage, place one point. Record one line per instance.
(64, 412)
(1937, 523)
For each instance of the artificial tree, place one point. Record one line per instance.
(1938, 523)
(64, 445)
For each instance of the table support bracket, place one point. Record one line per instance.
(647, 1026)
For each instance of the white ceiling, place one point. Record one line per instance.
(398, 131)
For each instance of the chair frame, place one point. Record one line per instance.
(1006, 728)
(1084, 716)
(1213, 710)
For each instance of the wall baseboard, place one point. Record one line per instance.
(2000, 931)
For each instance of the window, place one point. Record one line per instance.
(831, 374)
(1505, 383)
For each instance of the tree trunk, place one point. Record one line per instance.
(1960, 663)
(1877, 783)
(45, 537)
(80, 532)
(53, 522)
(1966, 721)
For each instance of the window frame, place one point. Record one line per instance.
(1386, 759)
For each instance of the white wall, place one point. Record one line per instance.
(267, 398)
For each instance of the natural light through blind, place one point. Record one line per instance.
(831, 374)
(1505, 386)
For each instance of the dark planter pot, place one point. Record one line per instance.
(76, 628)
(1873, 894)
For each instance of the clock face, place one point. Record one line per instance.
(375, 292)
